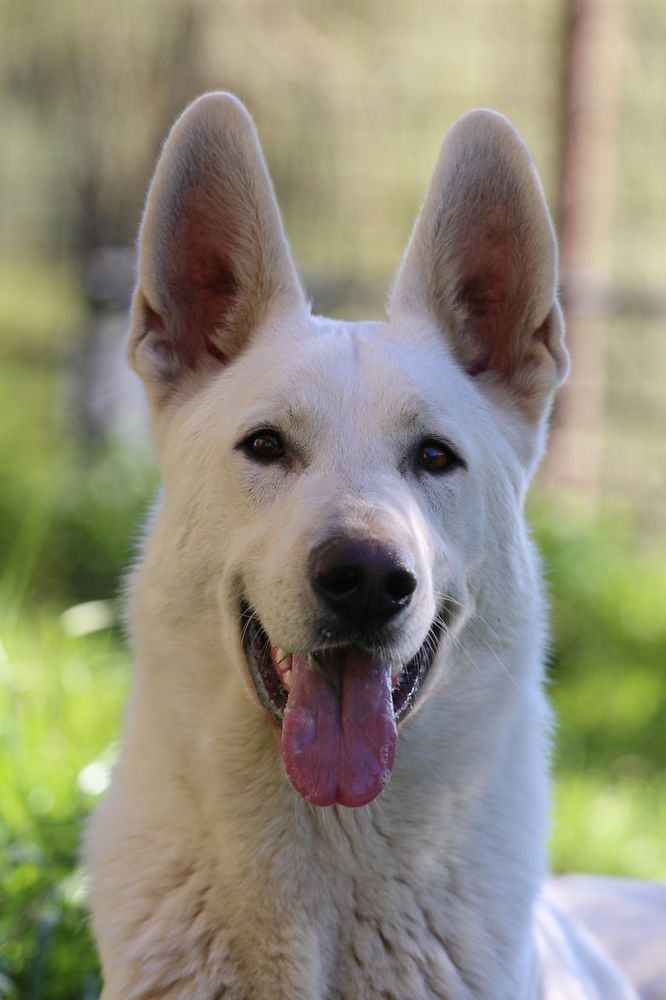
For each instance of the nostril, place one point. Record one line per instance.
(339, 580)
(363, 581)
(400, 584)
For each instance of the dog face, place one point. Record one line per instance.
(344, 494)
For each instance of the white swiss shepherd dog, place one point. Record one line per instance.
(333, 780)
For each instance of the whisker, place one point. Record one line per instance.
(498, 656)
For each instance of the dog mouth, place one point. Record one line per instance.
(338, 708)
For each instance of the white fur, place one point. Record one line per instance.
(210, 875)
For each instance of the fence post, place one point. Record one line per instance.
(575, 457)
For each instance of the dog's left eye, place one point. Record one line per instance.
(434, 456)
(265, 445)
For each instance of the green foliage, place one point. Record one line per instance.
(607, 673)
(66, 530)
(60, 702)
(67, 518)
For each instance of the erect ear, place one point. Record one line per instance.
(482, 262)
(213, 258)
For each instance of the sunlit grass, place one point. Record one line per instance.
(60, 701)
(60, 706)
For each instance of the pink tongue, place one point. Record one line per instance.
(339, 749)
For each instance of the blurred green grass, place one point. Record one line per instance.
(66, 530)
(60, 704)
(608, 686)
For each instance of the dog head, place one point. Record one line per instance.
(344, 495)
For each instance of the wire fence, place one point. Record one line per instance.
(351, 101)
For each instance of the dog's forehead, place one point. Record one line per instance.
(373, 369)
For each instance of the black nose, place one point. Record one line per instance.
(363, 581)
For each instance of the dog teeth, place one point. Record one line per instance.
(396, 674)
(286, 680)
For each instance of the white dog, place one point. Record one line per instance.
(334, 774)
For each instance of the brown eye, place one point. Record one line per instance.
(436, 457)
(265, 445)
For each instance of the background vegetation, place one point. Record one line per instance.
(351, 101)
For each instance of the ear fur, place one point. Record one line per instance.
(213, 258)
(482, 262)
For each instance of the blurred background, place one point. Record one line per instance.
(351, 100)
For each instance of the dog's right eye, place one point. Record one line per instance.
(436, 457)
(266, 445)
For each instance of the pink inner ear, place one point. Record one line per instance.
(483, 295)
(203, 292)
(488, 296)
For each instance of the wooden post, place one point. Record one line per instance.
(575, 457)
